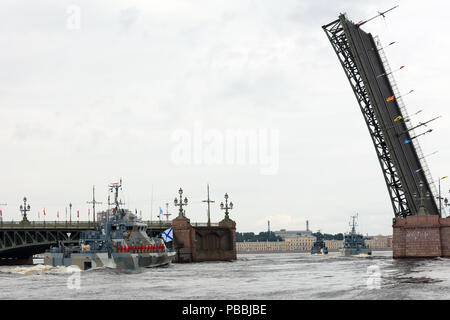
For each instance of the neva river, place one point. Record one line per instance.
(253, 276)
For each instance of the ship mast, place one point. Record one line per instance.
(115, 187)
(354, 223)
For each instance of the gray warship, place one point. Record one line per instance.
(119, 242)
(354, 242)
(319, 247)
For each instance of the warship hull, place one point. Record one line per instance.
(319, 251)
(356, 251)
(319, 247)
(128, 261)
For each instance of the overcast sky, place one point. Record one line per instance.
(91, 91)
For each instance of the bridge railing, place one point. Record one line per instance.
(405, 115)
(47, 224)
(158, 224)
(155, 224)
(204, 224)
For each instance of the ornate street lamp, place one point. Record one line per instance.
(226, 207)
(25, 208)
(180, 203)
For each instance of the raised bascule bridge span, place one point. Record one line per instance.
(418, 228)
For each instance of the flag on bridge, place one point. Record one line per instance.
(391, 98)
(168, 235)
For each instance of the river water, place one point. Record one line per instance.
(275, 276)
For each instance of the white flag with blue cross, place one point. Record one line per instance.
(168, 235)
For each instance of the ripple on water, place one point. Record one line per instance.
(252, 276)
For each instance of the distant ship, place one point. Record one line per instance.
(354, 242)
(120, 242)
(319, 247)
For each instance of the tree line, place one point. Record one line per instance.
(252, 237)
(270, 236)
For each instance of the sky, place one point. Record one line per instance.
(247, 96)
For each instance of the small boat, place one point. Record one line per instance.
(121, 242)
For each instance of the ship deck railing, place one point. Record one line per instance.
(204, 224)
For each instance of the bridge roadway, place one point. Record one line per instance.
(19, 241)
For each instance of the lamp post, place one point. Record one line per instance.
(70, 212)
(24, 209)
(180, 204)
(226, 207)
(440, 198)
(446, 202)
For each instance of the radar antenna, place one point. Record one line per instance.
(114, 187)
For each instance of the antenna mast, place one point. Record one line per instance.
(378, 15)
(208, 201)
(94, 202)
(115, 186)
(354, 224)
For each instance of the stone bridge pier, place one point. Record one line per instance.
(204, 242)
(421, 237)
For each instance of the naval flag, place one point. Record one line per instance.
(168, 235)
